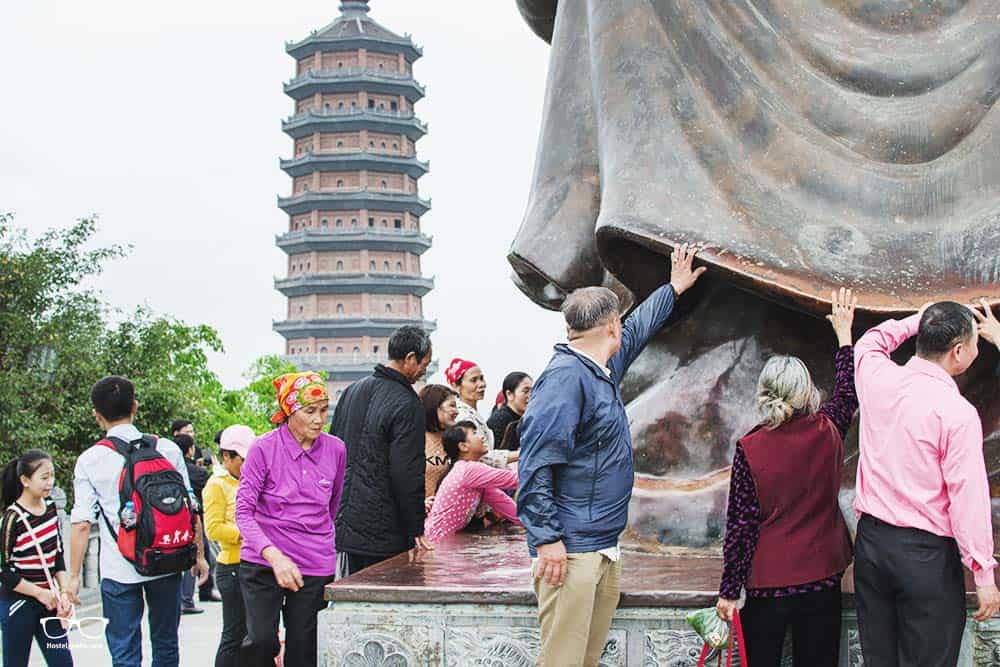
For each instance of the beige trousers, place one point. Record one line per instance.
(575, 617)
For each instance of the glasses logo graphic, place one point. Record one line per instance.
(91, 627)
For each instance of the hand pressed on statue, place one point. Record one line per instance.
(989, 602)
(682, 275)
(551, 565)
(421, 543)
(989, 326)
(842, 305)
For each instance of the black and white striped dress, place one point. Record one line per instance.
(19, 557)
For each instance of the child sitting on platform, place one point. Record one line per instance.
(468, 483)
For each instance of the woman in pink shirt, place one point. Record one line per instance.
(468, 483)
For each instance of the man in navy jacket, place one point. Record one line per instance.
(576, 464)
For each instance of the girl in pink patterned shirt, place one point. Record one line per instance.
(468, 483)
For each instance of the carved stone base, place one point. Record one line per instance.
(359, 634)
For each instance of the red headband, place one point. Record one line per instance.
(456, 369)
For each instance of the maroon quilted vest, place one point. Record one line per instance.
(796, 469)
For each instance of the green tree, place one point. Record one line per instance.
(251, 405)
(56, 341)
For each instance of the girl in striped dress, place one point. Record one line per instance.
(31, 563)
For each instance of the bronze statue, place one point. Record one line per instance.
(808, 145)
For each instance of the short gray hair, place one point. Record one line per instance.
(785, 388)
(588, 307)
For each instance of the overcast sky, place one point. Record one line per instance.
(165, 120)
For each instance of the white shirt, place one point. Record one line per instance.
(95, 488)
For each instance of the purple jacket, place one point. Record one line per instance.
(288, 499)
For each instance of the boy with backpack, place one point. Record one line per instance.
(136, 489)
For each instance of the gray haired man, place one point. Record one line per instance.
(576, 464)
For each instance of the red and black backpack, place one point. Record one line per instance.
(162, 539)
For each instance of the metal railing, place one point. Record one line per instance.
(352, 112)
(335, 72)
(356, 275)
(409, 233)
(335, 359)
(353, 152)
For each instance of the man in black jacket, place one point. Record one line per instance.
(381, 420)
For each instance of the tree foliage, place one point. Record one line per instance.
(57, 338)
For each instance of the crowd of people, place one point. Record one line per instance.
(393, 470)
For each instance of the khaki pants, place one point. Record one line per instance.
(576, 616)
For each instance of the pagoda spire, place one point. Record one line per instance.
(352, 8)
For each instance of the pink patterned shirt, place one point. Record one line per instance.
(466, 485)
(921, 463)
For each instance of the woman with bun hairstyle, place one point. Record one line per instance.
(786, 539)
(511, 403)
(32, 565)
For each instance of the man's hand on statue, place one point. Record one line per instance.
(682, 275)
(286, 572)
(989, 603)
(725, 608)
(842, 304)
(552, 563)
(989, 326)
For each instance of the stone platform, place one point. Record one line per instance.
(470, 603)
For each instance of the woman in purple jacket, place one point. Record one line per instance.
(786, 539)
(287, 501)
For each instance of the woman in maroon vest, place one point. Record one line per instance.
(786, 540)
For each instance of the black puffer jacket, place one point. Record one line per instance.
(381, 420)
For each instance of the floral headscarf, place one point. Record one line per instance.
(296, 391)
(456, 369)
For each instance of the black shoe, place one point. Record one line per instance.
(192, 610)
(213, 596)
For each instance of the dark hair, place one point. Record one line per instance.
(218, 436)
(232, 453)
(27, 464)
(432, 396)
(511, 437)
(409, 339)
(113, 397)
(455, 436)
(510, 383)
(943, 325)
(185, 442)
(178, 424)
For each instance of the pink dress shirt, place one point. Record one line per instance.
(921, 463)
(466, 485)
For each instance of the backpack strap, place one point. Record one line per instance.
(125, 449)
(38, 547)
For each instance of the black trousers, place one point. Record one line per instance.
(814, 619)
(234, 621)
(264, 600)
(910, 593)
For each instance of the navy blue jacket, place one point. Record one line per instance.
(575, 471)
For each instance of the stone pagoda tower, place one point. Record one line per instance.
(354, 236)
